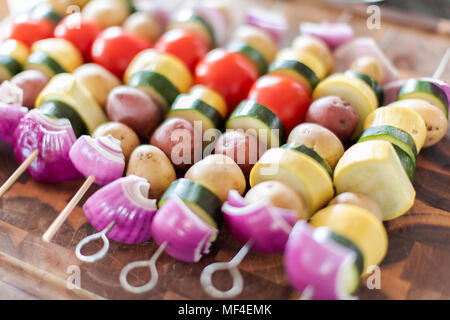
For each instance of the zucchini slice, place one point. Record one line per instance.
(297, 71)
(324, 233)
(251, 53)
(157, 86)
(16, 50)
(310, 152)
(354, 90)
(59, 109)
(407, 162)
(401, 118)
(425, 90)
(44, 11)
(300, 172)
(359, 226)
(374, 169)
(307, 58)
(250, 115)
(199, 199)
(376, 87)
(192, 109)
(8, 67)
(394, 135)
(211, 97)
(187, 19)
(42, 62)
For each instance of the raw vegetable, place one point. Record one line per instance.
(211, 97)
(10, 116)
(357, 225)
(315, 46)
(188, 238)
(251, 53)
(271, 21)
(197, 198)
(369, 66)
(300, 172)
(355, 91)
(53, 138)
(332, 33)
(266, 225)
(32, 82)
(305, 257)
(371, 82)
(45, 11)
(100, 157)
(310, 152)
(152, 164)
(257, 39)
(256, 119)
(374, 169)
(108, 13)
(360, 200)
(297, 71)
(26, 30)
(125, 202)
(313, 62)
(219, 174)
(13, 55)
(401, 118)
(190, 19)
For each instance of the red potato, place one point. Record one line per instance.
(133, 108)
(335, 114)
(31, 82)
(243, 148)
(176, 138)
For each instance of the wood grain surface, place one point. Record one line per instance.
(417, 265)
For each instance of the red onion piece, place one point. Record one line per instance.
(101, 157)
(273, 22)
(125, 202)
(320, 265)
(363, 46)
(268, 226)
(334, 34)
(188, 237)
(10, 116)
(441, 84)
(10, 93)
(53, 138)
(391, 90)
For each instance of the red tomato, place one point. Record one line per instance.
(80, 32)
(114, 49)
(229, 73)
(28, 30)
(287, 98)
(185, 45)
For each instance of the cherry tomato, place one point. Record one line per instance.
(80, 32)
(229, 73)
(28, 30)
(114, 49)
(185, 45)
(287, 98)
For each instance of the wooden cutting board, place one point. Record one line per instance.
(416, 266)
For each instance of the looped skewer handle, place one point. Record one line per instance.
(100, 254)
(232, 267)
(139, 264)
(19, 171)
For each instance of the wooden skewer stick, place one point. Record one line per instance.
(344, 17)
(54, 227)
(21, 169)
(442, 65)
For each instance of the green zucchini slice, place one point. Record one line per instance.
(310, 152)
(203, 202)
(374, 85)
(296, 68)
(250, 115)
(251, 53)
(397, 137)
(9, 66)
(43, 62)
(157, 86)
(425, 90)
(407, 162)
(44, 11)
(193, 18)
(59, 109)
(192, 109)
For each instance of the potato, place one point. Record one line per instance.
(243, 148)
(279, 194)
(317, 47)
(31, 82)
(106, 13)
(434, 119)
(152, 164)
(369, 66)
(360, 200)
(218, 173)
(128, 138)
(319, 138)
(144, 25)
(335, 114)
(176, 138)
(98, 81)
(135, 109)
